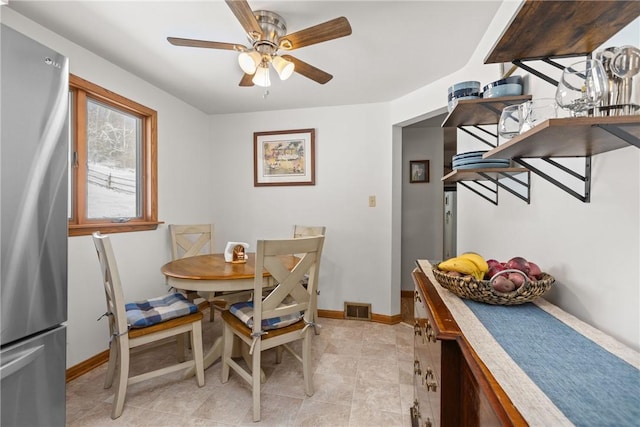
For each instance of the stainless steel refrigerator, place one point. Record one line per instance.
(34, 138)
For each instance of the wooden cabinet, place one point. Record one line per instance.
(426, 368)
(529, 364)
(452, 387)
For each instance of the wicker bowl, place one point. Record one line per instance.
(483, 291)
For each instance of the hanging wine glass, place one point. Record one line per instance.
(581, 87)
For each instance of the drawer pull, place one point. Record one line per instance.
(416, 368)
(416, 329)
(429, 373)
(432, 385)
(415, 410)
(428, 423)
(425, 380)
(417, 297)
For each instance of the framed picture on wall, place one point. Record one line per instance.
(419, 171)
(284, 157)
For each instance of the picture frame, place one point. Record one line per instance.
(284, 157)
(418, 171)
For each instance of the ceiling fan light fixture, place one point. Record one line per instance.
(249, 61)
(283, 67)
(261, 77)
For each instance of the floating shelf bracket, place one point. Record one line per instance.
(493, 191)
(546, 78)
(525, 184)
(490, 180)
(586, 178)
(621, 133)
(478, 137)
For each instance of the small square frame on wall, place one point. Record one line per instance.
(418, 171)
(284, 157)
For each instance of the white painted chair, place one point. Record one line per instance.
(197, 239)
(132, 325)
(307, 231)
(192, 240)
(285, 315)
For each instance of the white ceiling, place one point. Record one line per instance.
(396, 46)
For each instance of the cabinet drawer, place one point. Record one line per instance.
(426, 381)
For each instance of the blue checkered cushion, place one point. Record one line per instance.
(244, 311)
(141, 314)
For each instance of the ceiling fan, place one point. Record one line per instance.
(267, 33)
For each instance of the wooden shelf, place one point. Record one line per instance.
(552, 29)
(476, 174)
(569, 137)
(470, 112)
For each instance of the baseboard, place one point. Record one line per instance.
(407, 294)
(379, 318)
(87, 366)
(331, 314)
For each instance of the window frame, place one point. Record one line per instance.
(79, 224)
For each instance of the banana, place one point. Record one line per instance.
(477, 260)
(461, 265)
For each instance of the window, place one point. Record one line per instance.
(112, 162)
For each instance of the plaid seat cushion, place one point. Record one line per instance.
(141, 314)
(244, 311)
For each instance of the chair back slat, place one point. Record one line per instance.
(112, 284)
(289, 295)
(308, 231)
(191, 240)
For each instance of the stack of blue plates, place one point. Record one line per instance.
(474, 160)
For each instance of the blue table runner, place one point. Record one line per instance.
(590, 385)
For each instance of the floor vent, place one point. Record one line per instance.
(357, 311)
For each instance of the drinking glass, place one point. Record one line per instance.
(582, 86)
(537, 111)
(510, 121)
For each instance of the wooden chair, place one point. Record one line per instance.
(192, 240)
(285, 315)
(307, 231)
(197, 239)
(178, 318)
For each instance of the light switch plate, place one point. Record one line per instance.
(372, 201)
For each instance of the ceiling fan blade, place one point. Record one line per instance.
(206, 44)
(245, 15)
(309, 71)
(336, 28)
(247, 80)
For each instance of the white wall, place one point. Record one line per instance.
(353, 152)
(422, 203)
(592, 249)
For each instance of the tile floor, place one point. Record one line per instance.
(362, 376)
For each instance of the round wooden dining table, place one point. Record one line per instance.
(211, 273)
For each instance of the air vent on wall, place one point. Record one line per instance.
(357, 311)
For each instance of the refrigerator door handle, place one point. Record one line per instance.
(21, 360)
